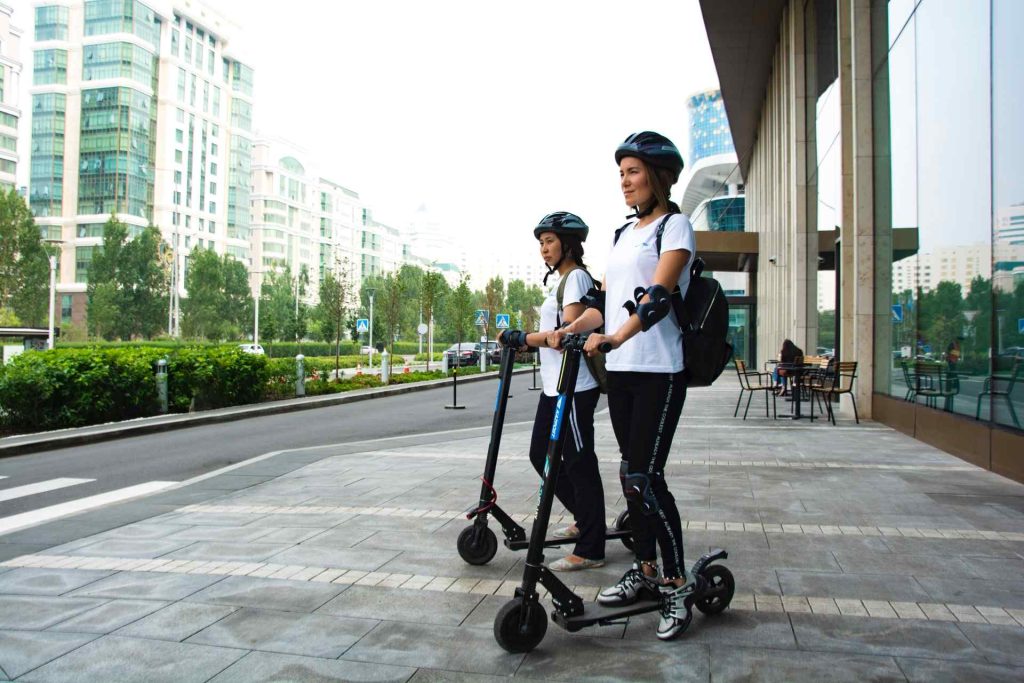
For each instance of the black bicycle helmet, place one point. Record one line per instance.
(562, 223)
(654, 148)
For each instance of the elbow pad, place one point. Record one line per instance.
(594, 298)
(659, 306)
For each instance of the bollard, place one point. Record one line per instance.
(483, 358)
(161, 384)
(300, 375)
(444, 364)
(455, 391)
(535, 387)
(406, 369)
(385, 367)
(359, 368)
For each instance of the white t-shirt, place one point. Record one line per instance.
(631, 264)
(578, 284)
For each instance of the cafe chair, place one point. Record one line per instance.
(987, 390)
(753, 381)
(841, 382)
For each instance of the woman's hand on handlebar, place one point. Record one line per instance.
(599, 343)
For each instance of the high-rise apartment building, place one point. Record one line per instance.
(139, 109)
(10, 113)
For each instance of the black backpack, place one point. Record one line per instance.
(703, 318)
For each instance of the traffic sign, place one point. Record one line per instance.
(421, 328)
(501, 321)
(1020, 325)
(897, 313)
(362, 325)
(480, 318)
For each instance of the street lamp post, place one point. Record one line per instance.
(256, 313)
(370, 292)
(53, 289)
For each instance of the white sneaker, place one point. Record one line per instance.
(628, 589)
(675, 615)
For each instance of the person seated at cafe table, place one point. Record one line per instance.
(787, 355)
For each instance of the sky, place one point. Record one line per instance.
(491, 114)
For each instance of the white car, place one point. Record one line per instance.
(252, 348)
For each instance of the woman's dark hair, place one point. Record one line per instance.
(660, 181)
(572, 248)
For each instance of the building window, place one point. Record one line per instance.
(65, 308)
(51, 23)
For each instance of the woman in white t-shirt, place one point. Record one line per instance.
(651, 255)
(561, 236)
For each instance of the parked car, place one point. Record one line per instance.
(466, 353)
(252, 348)
(1012, 352)
(493, 351)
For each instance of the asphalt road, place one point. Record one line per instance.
(185, 453)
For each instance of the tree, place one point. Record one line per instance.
(523, 302)
(277, 305)
(335, 300)
(494, 298)
(237, 303)
(460, 309)
(391, 298)
(941, 316)
(431, 289)
(24, 263)
(219, 303)
(133, 281)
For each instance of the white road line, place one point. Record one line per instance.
(40, 487)
(27, 519)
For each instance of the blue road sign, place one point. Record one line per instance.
(501, 321)
(897, 313)
(1020, 325)
(480, 318)
(362, 325)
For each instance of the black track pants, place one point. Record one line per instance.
(578, 486)
(645, 409)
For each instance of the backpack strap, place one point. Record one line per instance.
(560, 292)
(657, 234)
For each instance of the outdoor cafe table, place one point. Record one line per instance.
(795, 371)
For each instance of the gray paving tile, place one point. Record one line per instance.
(938, 671)
(574, 657)
(898, 638)
(22, 651)
(314, 635)
(294, 596)
(734, 664)
(113, 658)
(450, 564)
(33, 581)
(326, 521)
(233, 534)
(141, 530)
(348, 558)
(436, 647)
(229, 552)
(176, 622)
(747, 629)
(127, 547)
(109, 617)
(435, 676)
(908, 565)
(38, 612)
(420, 607)
(856, 586)
(290, 535)
(259, 667)
(974, 591)
(147, 586)
(999, 644)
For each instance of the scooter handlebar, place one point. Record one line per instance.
(604, 347)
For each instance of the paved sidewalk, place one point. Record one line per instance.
(859, 553)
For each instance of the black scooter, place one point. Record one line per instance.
(477, 544)
(521, 623)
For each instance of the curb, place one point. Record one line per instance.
(79, 436)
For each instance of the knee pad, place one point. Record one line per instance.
(637, 489)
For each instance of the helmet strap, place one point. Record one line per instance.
(639, 213)
(552, 269)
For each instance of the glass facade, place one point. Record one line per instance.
(709, 127)
(116, 161)
(118, 60)
(104, 17)
(49, 67)
(239, 187)
(722, 214)
(949, 171)
(47, 169)
(51, 23)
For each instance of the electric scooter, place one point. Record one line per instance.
(521, 623)
(477, 544)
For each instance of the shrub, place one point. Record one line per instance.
(215, 377)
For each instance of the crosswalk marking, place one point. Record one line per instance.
(33, 517)
(40, 487)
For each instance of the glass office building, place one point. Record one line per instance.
(709, 127)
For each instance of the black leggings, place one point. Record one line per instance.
(578, 486)
(645, 409)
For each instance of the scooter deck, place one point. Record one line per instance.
(523, 544)
(596, 613)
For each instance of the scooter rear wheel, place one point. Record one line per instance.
(721, 585)
(622, 524)
(477, 549)
(514, 633)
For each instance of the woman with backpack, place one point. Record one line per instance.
(651, 256)
(561, 236)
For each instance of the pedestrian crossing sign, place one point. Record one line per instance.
(501, 321)
(481, 318)
(362, 325)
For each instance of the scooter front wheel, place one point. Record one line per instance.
(477, 546)
(718, 591)
(516, 633)
(622, 524)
